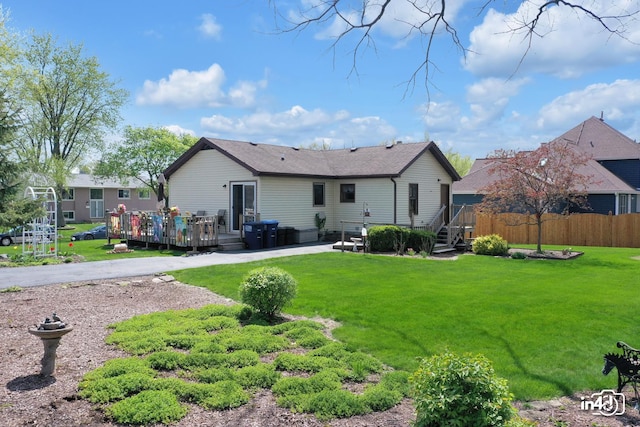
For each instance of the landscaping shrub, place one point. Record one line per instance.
(135, 342)
(329, 404)
(518, 255)
(219, 370)
(268, 290)
(380, 398)
(252, 338)
(165, 360)
(307, 337)
(304, 363)
(460, 390)
(398, 381)
(361, 365)
(223, 395)
(388, 238)
(422, 241)
(326, 380)
(213, 375)
(117, 367)
(491, 244)
(259, 376)
(110, 389)
(148, 407)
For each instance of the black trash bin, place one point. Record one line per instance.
(270, 236)
(289, 235)
(253, 234)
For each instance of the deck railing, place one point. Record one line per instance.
(164, 229)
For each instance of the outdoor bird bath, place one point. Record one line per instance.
(50, 331)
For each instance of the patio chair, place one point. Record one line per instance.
(220, 218)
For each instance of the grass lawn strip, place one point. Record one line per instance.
(544, 324)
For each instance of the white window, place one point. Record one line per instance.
(124, 193)
(68, 194)
(69, 215)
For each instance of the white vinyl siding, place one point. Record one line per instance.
(375, 194)
(290, 201)
(203, 183)
(429, 175)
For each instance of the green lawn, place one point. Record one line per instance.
(544, 324)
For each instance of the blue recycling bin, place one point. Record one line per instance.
(253, 234)
(270, 236)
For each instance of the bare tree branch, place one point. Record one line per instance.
(363, 19)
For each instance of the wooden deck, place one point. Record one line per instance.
(157, 230)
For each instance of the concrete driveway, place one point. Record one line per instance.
(97, 270)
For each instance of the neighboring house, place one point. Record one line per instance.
(615, 168)
(249, 181)
(86, 199)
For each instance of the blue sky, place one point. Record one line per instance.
(221, 69)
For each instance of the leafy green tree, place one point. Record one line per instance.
(461, 163)
(145, 153)
(68, 106)
(14, 210)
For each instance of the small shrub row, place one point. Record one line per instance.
(387, 238)
(322, 395)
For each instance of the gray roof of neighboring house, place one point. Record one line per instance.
(603, 142)
(603, 181)
(83, 180)
(594, 136)
(277, 160)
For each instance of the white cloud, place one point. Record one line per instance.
(567, 43)
(441, 117)
(399, 21)
(209, 27)
(488, 99)
(299, 126)
(619, 102)
(192, 89)
(179, 130)
(295, 119)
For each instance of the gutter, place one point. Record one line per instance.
(395, 201)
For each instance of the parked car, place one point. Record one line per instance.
(14, 235)
(99, 232)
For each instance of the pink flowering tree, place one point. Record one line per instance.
(551, 178)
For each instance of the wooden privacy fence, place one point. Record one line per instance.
(574, 230)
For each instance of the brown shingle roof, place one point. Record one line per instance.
(602, 141)
(593, 136)
(276, 160)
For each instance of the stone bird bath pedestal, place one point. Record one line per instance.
(50, 332)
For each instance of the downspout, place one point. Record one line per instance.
(395, 201)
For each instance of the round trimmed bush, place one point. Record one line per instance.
(268, 290)
(492, 244)
(449, 389)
